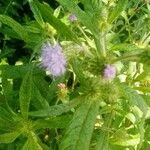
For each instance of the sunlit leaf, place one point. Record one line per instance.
(25, 93)
(36, 11)
(120, 6)
(79, 133)
(18, 28)
(9, 137)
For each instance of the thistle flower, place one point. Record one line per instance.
(53, 59)
(72, 18)
(109, 72)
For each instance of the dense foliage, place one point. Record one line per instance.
(74, 74)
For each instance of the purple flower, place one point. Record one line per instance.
(53, 59)
(109, 72)
(72, 18)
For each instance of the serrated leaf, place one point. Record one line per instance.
(79, 133)
(5, 114)
(32, 143)
(53, 122)
(135, 99)
(36, 12)
(9, 137)
(25, 93)
(39, 99)
(117, 10)
(6, 125)
(14, 72)
(140, 109)
(102, 141)
(55, 110)
(18, 28)
(42, 85)
(92, 6)
(56, 23)
(9, 32)
(6, 120)
(10, 72)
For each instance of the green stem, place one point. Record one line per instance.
(101, 44)
(88, 40)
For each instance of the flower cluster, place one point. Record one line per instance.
(72, 18)
(53, 59)
(109, 72)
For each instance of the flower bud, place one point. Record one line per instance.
(62, 92)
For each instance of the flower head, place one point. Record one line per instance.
(53, 59)
(109, 72)
(72, 18)
(61, 86)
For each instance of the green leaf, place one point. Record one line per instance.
(79, 133)
(6, 120)
(139, 108)
(9, 32)
(56, 23)
(7, 125)
(143, 89)
(5, 114)
(39, 99)
(117, 10)
(92, 6)
(42, 85)
(8, 89)
(7, 52)
(9, 137)
(36, 12)
(57, 11)
(124, 47)
(127, 141)
(14, 72)
(18, 28)
(135, 99)
(53, 122)
(147, 99)
(56, 109)
(25, 93)
(32, 143)
(10, 72)
(102, 141)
